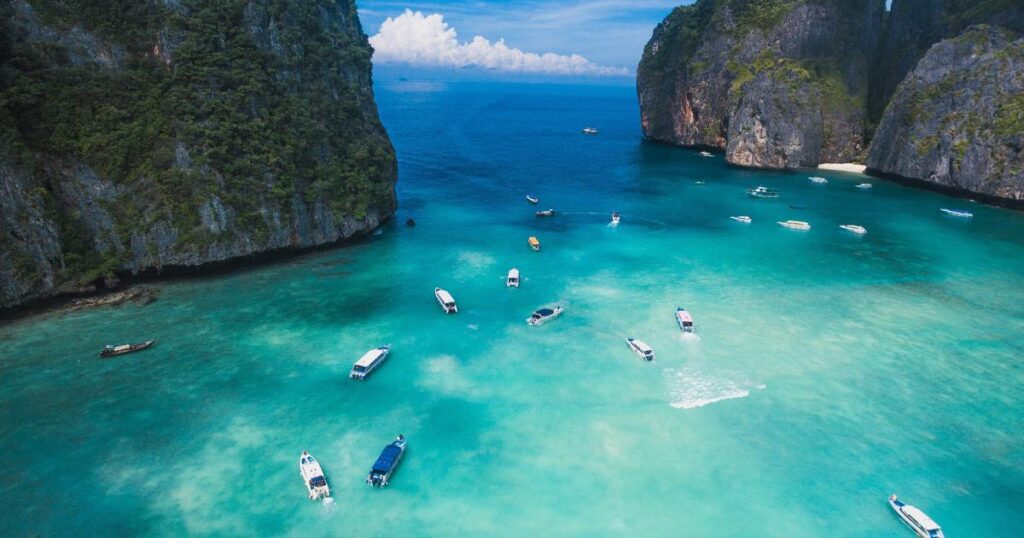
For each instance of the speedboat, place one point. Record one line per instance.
(818, 179)
(854, 228)
(532, 199)
(699, 182)
(795, 224)
(706, 154)
(589, 130)
(642, 350)
(957, 213)
(742, 218)
(446, 301)
(615, 218)
(123, 349)
(684, 319)
(313, 476)
(863, 185)
(534, 243)
(546, 213)
(386, 463)
(762, 192)
(369, 362)
(918, 521)
(512, 280)
(543, 315)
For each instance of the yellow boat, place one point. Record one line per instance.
(534, 243)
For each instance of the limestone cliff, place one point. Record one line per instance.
(142, 135)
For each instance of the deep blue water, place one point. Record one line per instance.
(828, 370)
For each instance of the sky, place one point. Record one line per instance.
(598, 38)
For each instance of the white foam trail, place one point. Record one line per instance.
(473, 326)
(692, 404)
(689, 337)
(690, 389)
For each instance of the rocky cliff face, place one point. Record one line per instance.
(776, 84)
(957, 120)
(161, 133)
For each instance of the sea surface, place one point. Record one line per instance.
(828, 370)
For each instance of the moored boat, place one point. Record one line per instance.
(543, 315)
(641, 349)
(369, 362)
(762, 192)
(384, 467)
(512, 280)
(795, 224)
(863, 185)
(313, 476)
(706, 154)
(818, 179)
(860, 230)
(123, 349)
(957, 213)
(546, 213)
(913, 517)
(534, 243)
(590, 131)
(684, 319)
(742, 218)
(532, 199)
(615, 218)
(446, 301)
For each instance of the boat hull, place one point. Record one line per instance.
(131, 349)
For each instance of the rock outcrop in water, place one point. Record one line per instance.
(175, 133)
(793, 83)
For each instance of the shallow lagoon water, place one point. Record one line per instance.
(828, 370)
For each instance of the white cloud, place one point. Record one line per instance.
(419, 39)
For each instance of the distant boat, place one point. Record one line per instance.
(742, 218)
(532, 199)
(684, 319)
(534, 243)
(512, 280)
(762, 192)
(546, 213)
(446, 301)
(615, 218)
(797, 206)
(818, 179)
(369, 362)
(313, 476)
(641, 349)
(124, 349)
(589, 131)
(706, 154)
(863, 185)
(854, 228)
(387, 462)
(543, 315)
(957, 213)
(918, 521)
(699, 182)
(795, 224)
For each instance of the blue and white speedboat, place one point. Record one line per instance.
(369, 362)
(386, 463)
(921, 524)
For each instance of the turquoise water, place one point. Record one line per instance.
(828, 370)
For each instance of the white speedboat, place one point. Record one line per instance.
(641, 349)
(313, 476)
(684, 319)
(386, 463)
(543, 315)
(742, 218)
(546, 213)
(818, 179)
(762, 192)
(706, 154)
(795, 224)
(854, 228)
(918, 521)
(957, 213)
(615, 218)
(446, 301)
(863, 185)
(532, 199)
(589, 131)
(512, 280)
(369, 362)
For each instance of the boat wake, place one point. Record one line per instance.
(689, 337)
(690, 389)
